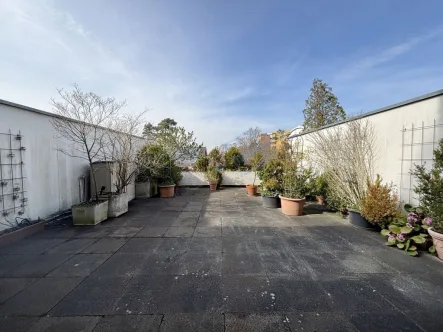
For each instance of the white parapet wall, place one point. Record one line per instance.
(230, 178)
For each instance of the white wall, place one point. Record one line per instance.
(52, 182)
(388, 127)
(229, 179)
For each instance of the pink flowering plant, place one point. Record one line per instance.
(408, 231)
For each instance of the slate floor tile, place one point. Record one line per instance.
(207, 231)
(31, 246)
(192, 322)
(94, 296)
(17, 323)
(121, 265)
(130, 323)
(38, 298)
(252, 322)
(72, 246)
(320, 321)
(152, 231)
(39, 266)
(105, 245)
(65, 324)
(125, 231)
(81, 265)
(11, 286)
(383, 322)
(140, 246)
(179, 232)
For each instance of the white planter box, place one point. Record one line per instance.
(89, 215)
(118, 204)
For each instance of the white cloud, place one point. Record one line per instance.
(47, 47)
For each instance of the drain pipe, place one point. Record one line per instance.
(81, 193)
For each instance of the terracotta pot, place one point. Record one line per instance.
(167, 191)
(251, 189)
(213, 186)
(292, 206)
(437, 238)
(321, 199)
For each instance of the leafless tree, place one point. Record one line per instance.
(250, 143)
(82, 119)
(121, 148)
(346, 155)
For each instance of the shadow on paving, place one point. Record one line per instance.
(216, 261)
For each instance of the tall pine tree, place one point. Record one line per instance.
(322, 107)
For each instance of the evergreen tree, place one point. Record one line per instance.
(322, 107)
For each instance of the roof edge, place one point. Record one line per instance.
(35, 110)
(377, 111)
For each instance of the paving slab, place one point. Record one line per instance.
(11, 286)
(16, 324)
(39, 266)
(130, 323)
(81, 265)
(320, 321)
(152, 231)
(72, 246)
(193, 323)
(247, 322)
(65, 324)
(105, 245)
(40, 297)
(125, 231)
(180, 232)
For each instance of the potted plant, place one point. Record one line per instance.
(176, 174)
(166, 186)
(430, 188)
(320, 189)
(213, 176)
(271, 188)
(296, 185)
(408, 232)
(257, 162)
(380, 204)
(82, 119)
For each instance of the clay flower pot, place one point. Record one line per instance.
(321, 200)
(437, 238)
(213, 186)
(251, 189)
(167, 191)
(292, 206)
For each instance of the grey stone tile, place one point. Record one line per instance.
(320, 321)
(94, 296)
(38, 298)
(81, 265)
(198, 263)
(121, 265)
(62, 233)
(205, 244)
(284, 263)
(256, 322)
(180, 232)
(193, 323)
(39, 266)
(364, 297)
(243, 264)
(95, 232)
(188, 214)
(31, 246)
(207, 231)
(73, 246)
(12, 324)
(140, 246)
(185, 222)
(360, 263)
(129, 323)
(65, 324)
(383, 322)
(107, 245)
(125, 232)
(209, 222)
(152, 231)
(10, 262)
(11, 286)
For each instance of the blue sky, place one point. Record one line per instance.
(219, 67)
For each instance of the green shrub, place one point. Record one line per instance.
(430, 188)
(201, 164)
(270, 187)
(273, 169)
(297, 184)
(234, 159)
(320, 186)
(213, 175)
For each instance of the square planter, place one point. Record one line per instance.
(89, 214)
(21, 233)
(144, 189)
(118, 204)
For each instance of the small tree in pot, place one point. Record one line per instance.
(430, 189)
(296, 186)
(214, 177)
(257, 163)
(82, 120)
(271, 176)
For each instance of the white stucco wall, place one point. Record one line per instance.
(388, 127)
(52, 178)
(229, 179)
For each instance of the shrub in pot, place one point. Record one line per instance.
(214, 177)
(380, 204)
(430, 188)
(257, 162)
(271, 188)
(296, 186)
(176, 173)
(320, 189)
(166, 187)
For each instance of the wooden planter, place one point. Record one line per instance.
(21, 233)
